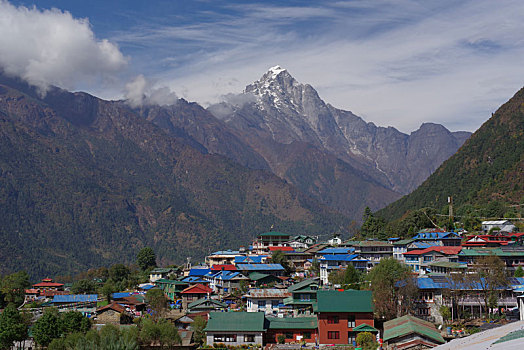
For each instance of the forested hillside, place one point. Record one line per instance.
(85, 182)
(485, 177)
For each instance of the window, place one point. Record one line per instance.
(333, 335)
(223, 338)
(332, 319)
(249, 338)
(352, 337)
(289, 335)
(306, 335)
(351, 321)
(274, 303)
(428, 258)
(305, 297)
(261, 304)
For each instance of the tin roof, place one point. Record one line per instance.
(270, 293)
(405, 325)
(235, 322)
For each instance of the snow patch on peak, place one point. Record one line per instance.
(276, 70)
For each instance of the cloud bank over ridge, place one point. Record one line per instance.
(50, 47)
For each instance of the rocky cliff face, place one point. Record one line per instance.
(284, 111)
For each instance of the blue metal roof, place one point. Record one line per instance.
(436, 235)
(260, 267)
(226, 275)
(194, 279)
(345, 257)
(226, 252)
(120, 295)
(257, 259)
(75, 298)
(423, 245)
(198, 272)
(336, 251)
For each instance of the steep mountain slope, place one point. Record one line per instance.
(490, 166)
(279, 108)
(311, 169)
(86, 182)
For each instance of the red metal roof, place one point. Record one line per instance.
(113, 306)
(223, 267)
(197, 289)
(48, 284)
(440, 249)
(283, 249)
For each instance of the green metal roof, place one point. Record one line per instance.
(204, 301)
(235, 322)
(449, 264)
(404, 241)
(364, 327)
(488, 251)
(344, 301)
(405, 325)
(292, 322)
(162, 270)
(302, 285)
(274, 233)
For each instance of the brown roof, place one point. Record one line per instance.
(130, 301)
(113, 306)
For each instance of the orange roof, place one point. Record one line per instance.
(197, 289)
(48, 284)
(283, 249)
(438, 248)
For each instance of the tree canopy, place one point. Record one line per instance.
(146, 258)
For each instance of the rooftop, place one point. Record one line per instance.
(405, 325)
(344, 301)
(235, 321)
(273, 234)
(268, 293)
(260, 267)
(292, 322)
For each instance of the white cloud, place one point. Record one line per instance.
(140, 92)
(396, 63)
(51, 47)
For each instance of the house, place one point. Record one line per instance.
(270, 239)
(113, 313)
(251, 259)
(299, 262)
(498, 225)
(374, 251)
(47, 285)
(419, 260)
(222, 257)
(270, 300)
(206, 305)
(301, 242)
(513, 256)
(198, 271)
(159, 273)
(193, 293)
(270, 269)
(400, 247)
(303, 296)
(446, 267)
(408, 332)
(134, 304)
(330, 263)
(235, 328)
(339, 313)
(225, 281)
(171, 288)
(292, 329)
(262, 279)
(336, 240)
(438, 238)
(85, 303)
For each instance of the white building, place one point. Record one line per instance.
(269, 301)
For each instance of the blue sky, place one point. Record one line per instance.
(396, 63)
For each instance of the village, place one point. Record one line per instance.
(289, 291)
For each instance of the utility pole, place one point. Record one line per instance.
(450, 202)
